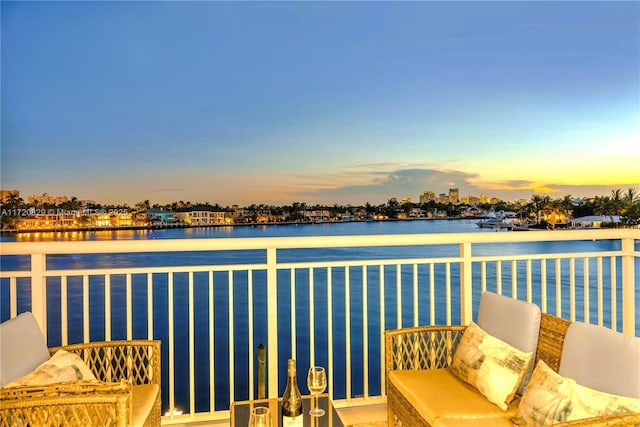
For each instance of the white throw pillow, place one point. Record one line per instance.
(62, 367)
(551, 398)
(491, 365)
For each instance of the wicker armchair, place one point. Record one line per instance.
(128, 394)
(433, 347)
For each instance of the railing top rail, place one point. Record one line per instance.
(304, 242)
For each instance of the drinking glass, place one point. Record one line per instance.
(260, 417)
(317, 382)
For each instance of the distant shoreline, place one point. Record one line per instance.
(241, 224)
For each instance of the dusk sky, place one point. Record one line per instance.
(319, 102)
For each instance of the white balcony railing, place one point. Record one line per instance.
(322, 300)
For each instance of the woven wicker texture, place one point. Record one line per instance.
(417, 348)
(120, 364)
(428, 347)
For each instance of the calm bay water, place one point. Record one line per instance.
(242, 328)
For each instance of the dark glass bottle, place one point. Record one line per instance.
(291, 400)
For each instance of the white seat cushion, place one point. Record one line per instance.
(22, 347)
(602, 359)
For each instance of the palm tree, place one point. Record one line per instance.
(631, 197)
(618, 204)
(608, 206)
(143, 206)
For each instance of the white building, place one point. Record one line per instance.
(594, 221)
(202, 217)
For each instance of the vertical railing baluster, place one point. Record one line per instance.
(466, 283)
(432, 294)
(150, 306)
(292, 310)
(600, 293)
(39, 290)
(572, 289)
(192, 347)
(64, 311)
(448, 292)
(628, 287)
(514, 279)
(558, 288)
(272, 319)
(212, 376)
(398, 296)
(232, 393)
(251, 333)
(107, 307)
(499, 277)
(85, 308)
(416, 305)
(13, 292)
(382, 329)
(543, 284)
(347, 327)
(312, 332)
(614, 294)
(529, 281)
(586, 299)
(171, 346)
(129, 305)
(365, 333)
(330, 332)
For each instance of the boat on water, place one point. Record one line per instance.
(495, 224)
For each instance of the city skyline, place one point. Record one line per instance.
(323, 102)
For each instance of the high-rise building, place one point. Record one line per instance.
(483, 199)
(427, 196)
(454, 196)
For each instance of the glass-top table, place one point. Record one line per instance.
(240, 412)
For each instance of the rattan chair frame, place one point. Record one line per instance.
(433, 347)
(118, 365)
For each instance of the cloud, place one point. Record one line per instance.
(392, 178)
(377, 183)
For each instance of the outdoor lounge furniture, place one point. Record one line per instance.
(125, 391)
(422, 390)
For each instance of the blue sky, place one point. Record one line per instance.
(319, 102)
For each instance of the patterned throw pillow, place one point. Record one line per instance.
(491, 365)
(62, 367)
(550, 398)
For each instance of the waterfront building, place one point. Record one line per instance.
(155, 215)
(56, 221)
(454, 196)
(111, 220)
(417, 213)
(46, 199)
(203, 215)
(317, 215)
(594, 221)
